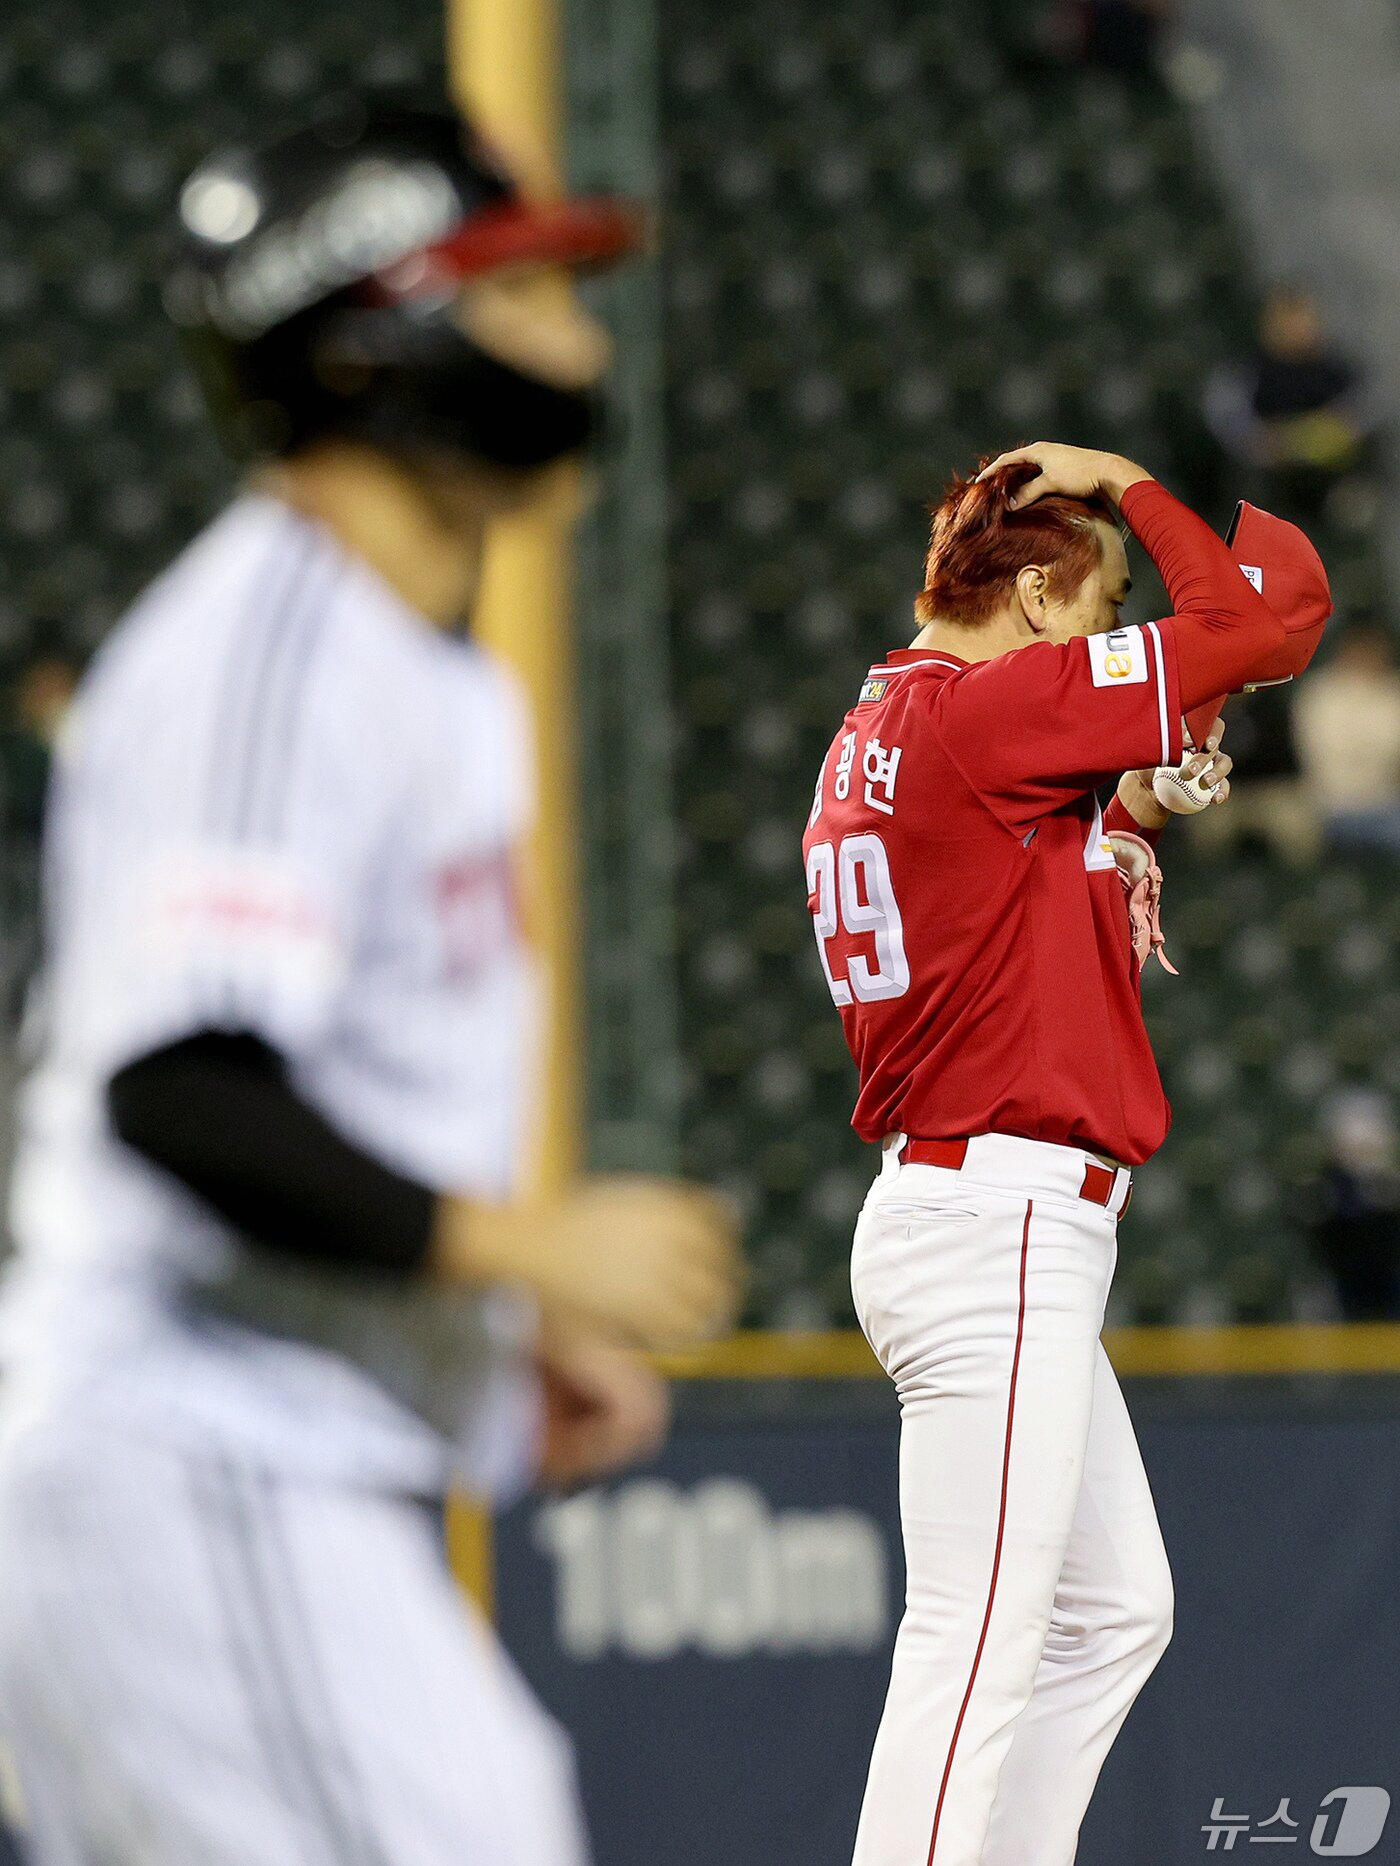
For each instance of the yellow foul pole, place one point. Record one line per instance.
(503, 55)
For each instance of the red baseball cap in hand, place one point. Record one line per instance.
(1280, 562)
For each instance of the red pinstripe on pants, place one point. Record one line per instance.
(1001, 1532)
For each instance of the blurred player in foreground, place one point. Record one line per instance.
(275, 1288)
(982, 925)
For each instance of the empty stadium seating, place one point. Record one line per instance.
(895, 235)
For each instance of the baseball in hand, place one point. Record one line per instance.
(1184, 794)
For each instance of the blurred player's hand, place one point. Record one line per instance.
(1076, 472)
(603, 1408)
(650, 1263)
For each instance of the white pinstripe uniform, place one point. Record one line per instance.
(288, 806)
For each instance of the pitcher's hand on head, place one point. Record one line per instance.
(1074, 472)
(650, 1263)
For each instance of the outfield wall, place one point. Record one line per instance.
(715, 1630)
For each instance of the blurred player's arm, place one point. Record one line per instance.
(639, 1261)
(604, 1408)
(219, 1112)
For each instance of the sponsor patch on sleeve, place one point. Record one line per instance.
(874, 689)
(1118, 659)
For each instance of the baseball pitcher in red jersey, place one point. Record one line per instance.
(982, 924)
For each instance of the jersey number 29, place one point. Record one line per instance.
(849, 886)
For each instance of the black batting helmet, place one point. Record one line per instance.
(317, 279)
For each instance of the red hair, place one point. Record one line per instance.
(977, 545)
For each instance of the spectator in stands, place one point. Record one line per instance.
(1124, 35)
(1120, 35)
(38, 705)
(1355, 1230)
(1347, 721)
(1292, 415)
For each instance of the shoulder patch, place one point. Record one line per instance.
(874, 689)
(1118, 659)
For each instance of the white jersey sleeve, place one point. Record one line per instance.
(241, 844)
(254, 932)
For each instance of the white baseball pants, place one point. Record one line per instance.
(1039, 1597)
(202, 1662)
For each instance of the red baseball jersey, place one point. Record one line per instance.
(970, 919)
